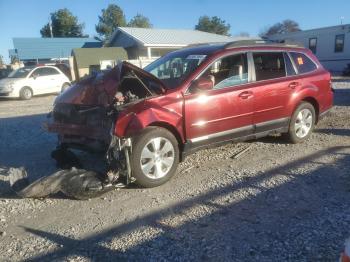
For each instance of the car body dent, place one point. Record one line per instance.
(164, 110)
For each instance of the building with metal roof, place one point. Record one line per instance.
(150, 43)
(86, 60)
(329, 44)
(48, 49)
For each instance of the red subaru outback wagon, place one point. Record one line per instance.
(148, 120)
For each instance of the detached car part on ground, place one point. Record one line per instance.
(76, 183)
(146, 121)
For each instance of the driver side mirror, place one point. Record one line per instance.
(203, 83)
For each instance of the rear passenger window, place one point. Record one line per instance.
(269, 65)
(303, 63)
(51, 71)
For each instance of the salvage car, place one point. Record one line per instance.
(149, 120)
(28, 81)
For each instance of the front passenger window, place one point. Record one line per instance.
(228, 71)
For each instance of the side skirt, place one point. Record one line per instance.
(236, 135)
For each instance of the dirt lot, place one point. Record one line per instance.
(278, 202)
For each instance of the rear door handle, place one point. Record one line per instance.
(245, 94)
(293, 85)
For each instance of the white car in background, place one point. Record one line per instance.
(26, 82)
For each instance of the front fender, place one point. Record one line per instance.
(133, 123)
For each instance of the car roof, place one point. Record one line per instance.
(43, 66)
(209, 48)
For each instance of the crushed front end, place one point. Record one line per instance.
(87, 115)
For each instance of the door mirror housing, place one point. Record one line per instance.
(203, 83)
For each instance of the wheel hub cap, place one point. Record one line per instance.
(303, 123)
(157, 158)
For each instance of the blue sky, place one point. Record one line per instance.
(25, 18)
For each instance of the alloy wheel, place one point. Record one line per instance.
(303, 123)
(157, 158)
(27, 94)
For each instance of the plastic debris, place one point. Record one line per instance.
(75, 183)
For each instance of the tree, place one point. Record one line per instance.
(283, 27)
(213, 25)
(109, 20)
(140, 21)
(64, 24)
(243, 34)
(14, 60)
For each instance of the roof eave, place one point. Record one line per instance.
(165, 45)
(132, 36)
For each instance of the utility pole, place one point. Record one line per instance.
(50, 25)
(341, 19)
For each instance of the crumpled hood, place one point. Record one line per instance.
(101, 88)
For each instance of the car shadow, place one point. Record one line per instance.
(279, 222)
(25, 143)
(272, 139)
(334, 131)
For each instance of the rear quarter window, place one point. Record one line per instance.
(303, 63)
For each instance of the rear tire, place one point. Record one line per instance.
(26, 93)
(155, 157)
(302, 123)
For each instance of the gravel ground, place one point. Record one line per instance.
(277, 202)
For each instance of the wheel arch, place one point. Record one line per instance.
(171, 129)
(31, 89)
(315, 104)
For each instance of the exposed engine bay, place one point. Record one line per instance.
(84, 115)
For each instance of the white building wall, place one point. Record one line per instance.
(325, 50)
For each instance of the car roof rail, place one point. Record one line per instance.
(204, 43)
(262, 42)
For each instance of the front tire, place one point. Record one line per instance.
(26, 93)
(302, 123)
(155, 157)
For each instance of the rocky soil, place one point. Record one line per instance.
(277, 202)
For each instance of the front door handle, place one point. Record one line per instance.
(245, 94)
(293, 85)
